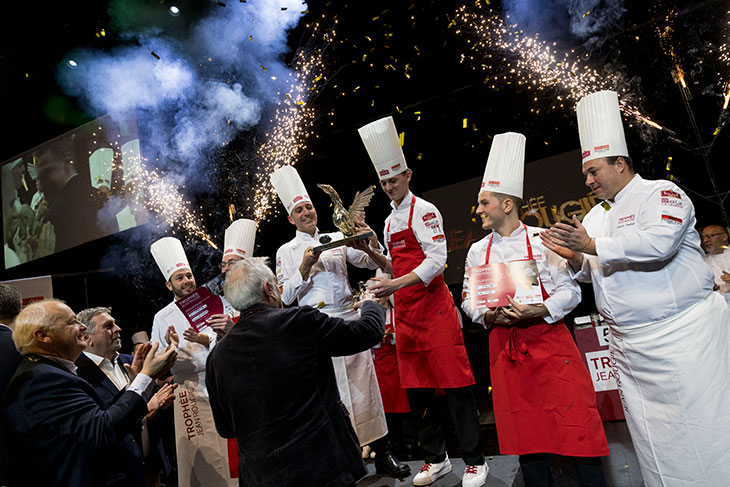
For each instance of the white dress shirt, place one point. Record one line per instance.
(649, 265)
(719, 263)
(113, 370)
(327, 282)
(427, 226)
(564, 292)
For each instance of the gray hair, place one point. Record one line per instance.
(245, 281)
(10, 303)
(33, 317)
(86, 316)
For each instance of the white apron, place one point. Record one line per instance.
(202, 455)
(358, 387)
(677, 403)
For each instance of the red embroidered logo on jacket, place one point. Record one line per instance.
(429, 216)
(601, 148)
(395, 167)
(671, 194)
(398, 244)
(438, 238)
(493, 183)
(672, 219)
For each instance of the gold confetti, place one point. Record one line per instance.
(262, 67)
(401, 139)
(220, 4)
(274, 78)
(284, 8)
(155, 55)
(464, 123)
(419, 156)
(102, 32)
(585, 14)
(250, 38)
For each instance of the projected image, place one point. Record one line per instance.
(73, 189)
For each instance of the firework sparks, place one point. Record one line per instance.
(534, 63)
(160, 196)
(291, 125)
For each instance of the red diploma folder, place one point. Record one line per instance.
(490, 284)
(205, 301)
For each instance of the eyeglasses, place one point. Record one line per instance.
(223, 266)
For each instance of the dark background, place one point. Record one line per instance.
(399, 38)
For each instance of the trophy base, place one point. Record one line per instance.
(344, 241)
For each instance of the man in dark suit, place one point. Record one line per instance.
(110, 372)
(62, 433)
(10, 303)
(273, 388)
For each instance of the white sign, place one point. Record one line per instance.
(601, 370)
(602, 335)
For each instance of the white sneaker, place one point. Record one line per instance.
(475, 475)
(432, 471)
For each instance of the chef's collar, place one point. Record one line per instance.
(517, 231)
(625, 189)
(306, 237)
(405, 202)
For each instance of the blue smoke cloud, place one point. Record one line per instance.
(207, 85)
(566, 19)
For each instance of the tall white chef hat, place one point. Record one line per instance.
(505, 171)
(170, 257)
(599, 126)
(240, 238)
(383, 145)
(289, 187)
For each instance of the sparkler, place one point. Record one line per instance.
(291, 125)
(536, 64)
(161, 196)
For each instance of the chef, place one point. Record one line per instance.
(715, 242)
(319, 280)
(202, 455)
(543, 396)
(238, 243)
(431, 352)
(670, 333)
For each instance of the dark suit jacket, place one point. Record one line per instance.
(9, 360)
(272, 387)
(63, 434)
(108, 392)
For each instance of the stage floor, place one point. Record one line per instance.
(621, 467)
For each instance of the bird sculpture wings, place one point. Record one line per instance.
(362, 200)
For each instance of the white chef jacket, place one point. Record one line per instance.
(427, 225)
(195, 352)
(327, 281)
(719, 263)
(564, 292)
(649, 265)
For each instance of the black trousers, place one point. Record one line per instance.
(463, 411)
(536, 471)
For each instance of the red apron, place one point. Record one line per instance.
(395, 398)
(543, 396)
(430, 349)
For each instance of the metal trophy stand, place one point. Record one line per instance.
(338, 243)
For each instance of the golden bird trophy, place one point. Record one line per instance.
(346, 220)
